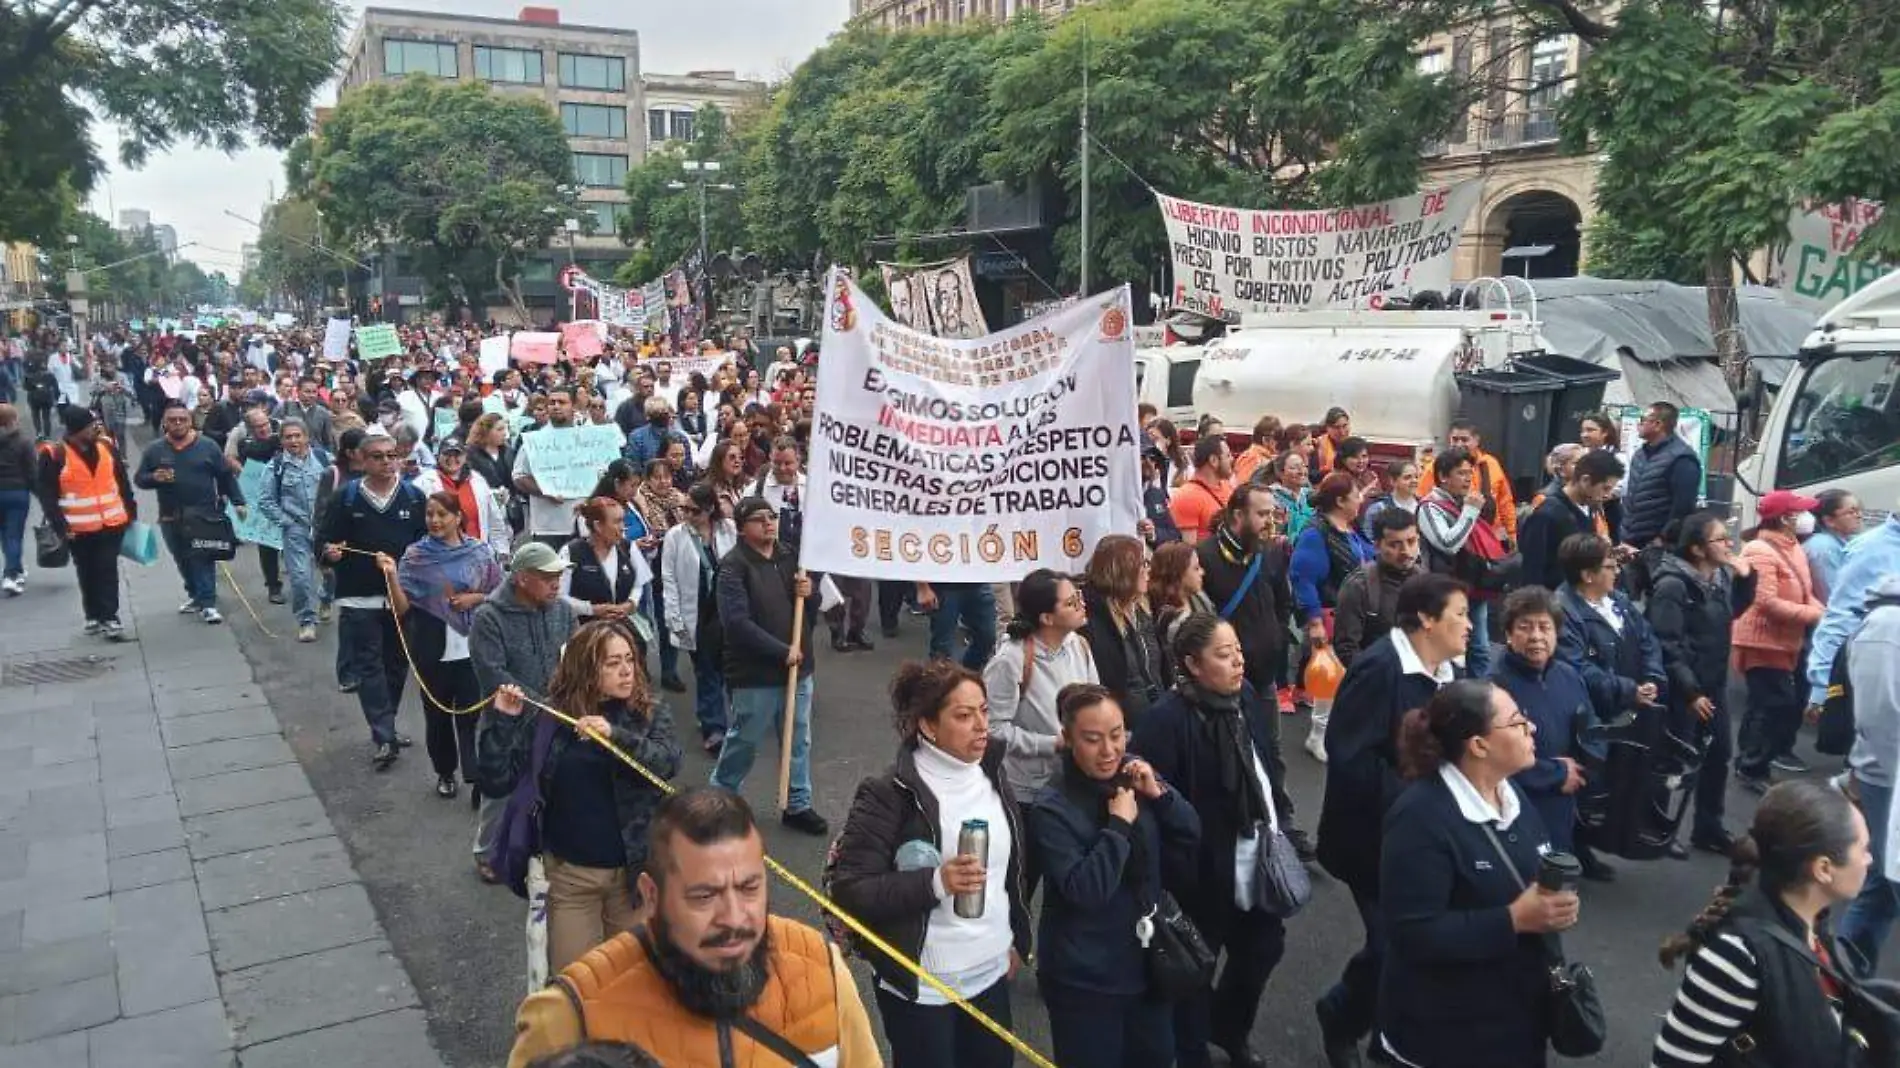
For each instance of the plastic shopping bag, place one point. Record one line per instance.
(140, 544)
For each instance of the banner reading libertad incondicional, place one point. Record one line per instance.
(979, 460)
(1230, 261)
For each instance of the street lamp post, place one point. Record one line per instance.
(702, 172)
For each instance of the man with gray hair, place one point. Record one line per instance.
(648, 442)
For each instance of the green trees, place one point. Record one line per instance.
(464, 179)
(209, 72)
(292, 258)
(662, 222)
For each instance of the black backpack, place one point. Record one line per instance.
(1834, 732)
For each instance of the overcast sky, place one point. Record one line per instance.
(191, 188)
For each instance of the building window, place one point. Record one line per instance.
(600, 171)
(656, 126)
(434, 58)
(519, 66)
(603, 218)
(1432, 62)
(594, 120)
(682, 126)
(1550, 63)
(606, 73)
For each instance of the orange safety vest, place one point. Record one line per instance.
(89, 497)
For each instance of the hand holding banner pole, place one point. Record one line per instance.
(791, 694)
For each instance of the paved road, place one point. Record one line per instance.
(462, 940)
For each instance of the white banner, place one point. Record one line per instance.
(336, 339)
(493, 355)
(1819, 262)
(1231, 261)
(979, 460)
(936, 298)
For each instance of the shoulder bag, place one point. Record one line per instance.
(207, 533)
(1177, 959)
(518, 839)
(1281, 885)
(1574, 1020)
(1870, 1008)
(1246, 583)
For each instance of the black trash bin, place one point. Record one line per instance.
(1582, 392)
(1512, 410)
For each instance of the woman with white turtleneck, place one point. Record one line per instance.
(898, 870)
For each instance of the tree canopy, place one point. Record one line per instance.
(661, 222)
(207, 72)
(463, 179)
(292, 259)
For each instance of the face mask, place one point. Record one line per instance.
(1804, 524)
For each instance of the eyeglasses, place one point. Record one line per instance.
(379, 456)
(1519, 723)
(1073, 600)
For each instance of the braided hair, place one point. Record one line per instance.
(1796, 824)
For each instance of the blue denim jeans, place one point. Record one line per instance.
(1870, 916)
(757, 710)
(14, 504)
(973, 604)
(200, 574)
(1478, 649)
(709, 694)
(300, 565)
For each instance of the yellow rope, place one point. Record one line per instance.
(243, 600)
(402, 636)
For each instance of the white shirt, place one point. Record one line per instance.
(1474, 806)
(545, 517)
(1607, 609)
(969, 955)
(1411, 663)
(415, 411)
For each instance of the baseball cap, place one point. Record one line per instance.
(450, 445)
(538, 558)
(1784, 502)
(750, 507)
(258, 396)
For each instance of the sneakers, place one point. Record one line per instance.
(188, 608)
(806, 821)
(445, 786)
(276, 596)
(307, 633)
(1789, 763)
(1754, 784)
(113, 630)
(211, 617)
(385, 756)
(1316, 745)
(859, 642)
(1286, 701)
(13, 585)
(323, 613)
(672, 684)
(93, 626)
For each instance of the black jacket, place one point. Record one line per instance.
(1174, 743)
(504, 749)
(889, 810)
(17, 463)
(755, 608)
(1541, 532)
(1793, 1021)
(1091, 898)
(1459, 986)
(1692, 620)
(1366, 611)
(1663, 482)
(1260, 617)
(1129, 663)
(1362, 761)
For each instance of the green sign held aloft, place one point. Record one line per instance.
(374, 342)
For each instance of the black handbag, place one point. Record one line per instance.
(1870, 1008)
(1178, 960)
(49, 549)
(1574, 1022)
(208, 534)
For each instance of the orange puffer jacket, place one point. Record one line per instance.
(1770, 633)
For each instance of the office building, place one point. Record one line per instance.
(904, 14)
(673, 101)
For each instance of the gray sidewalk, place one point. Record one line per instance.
(172, 894)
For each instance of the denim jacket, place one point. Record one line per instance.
(290, 497)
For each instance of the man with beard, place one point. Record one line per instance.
(710, 979)
(189, 473)
(550, 518)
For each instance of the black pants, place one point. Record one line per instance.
(369, 648)
(944, 1036)
(449, 738)
(1351, 1006)
(1771, 722)
(96, 562)
(1097, 1031)
(1718, 749)
(44, 424)
(267, 561)
(1254, 942)
(891, 598)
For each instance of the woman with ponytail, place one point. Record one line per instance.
(1748, 997)
(1044, 652)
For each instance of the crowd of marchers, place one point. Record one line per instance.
(1503, 692)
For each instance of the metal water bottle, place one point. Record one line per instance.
(973, 840)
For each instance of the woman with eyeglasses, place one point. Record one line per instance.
(725, 469)
(1045, 652)
(1466, 980)
(689, 578)
(444, 578)
(1121, 632)
(1836, 521)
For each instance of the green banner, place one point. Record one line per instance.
(374, 342)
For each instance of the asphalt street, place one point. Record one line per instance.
(462, 941)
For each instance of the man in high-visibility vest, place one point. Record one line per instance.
(86, 494)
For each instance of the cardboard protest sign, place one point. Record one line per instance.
(254, 479)
(1231, 261)
(566, 461)
(583, 339)
(974, 460)
(336, 339)
(376, 341)
(280, 320)
(535, 347)
(493, 355)
(1819, 261)
(446, 420)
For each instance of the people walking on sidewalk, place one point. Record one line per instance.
(290, 503)
(596, 810)
(444, 578)
(515, 640)
(192, 479)
(376, 513)
(759, 585)
(689, 577)
(19, 471)
(255, 440)
(85, 494)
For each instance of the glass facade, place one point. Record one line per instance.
(600, 171)
(434, 58)
(605, 73)
(516, 66)
(594, 120)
